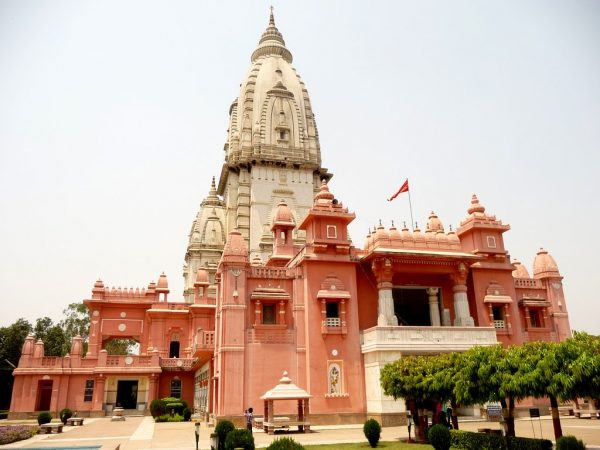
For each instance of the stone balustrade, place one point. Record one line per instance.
(177, 363)
(421, 340)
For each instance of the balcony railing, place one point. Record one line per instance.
(177, 363)
(206, 341)
(128, 361)
(419, 340)
(499, 324)
(332, 322)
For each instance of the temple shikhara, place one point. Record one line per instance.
(274, 284)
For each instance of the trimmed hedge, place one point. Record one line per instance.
(372, 431)
(439, 437)
(166, 405)
(223, 428)
(239, 438)
(476, 441)
(14, 433)
(44, 417)
(285, 443)
(569, 443)
(65, 414)
(169, 418)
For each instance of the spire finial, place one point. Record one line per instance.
(271, 17)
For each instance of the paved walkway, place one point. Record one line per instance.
(141, 433)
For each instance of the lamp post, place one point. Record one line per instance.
(197, 431)
(409, 424)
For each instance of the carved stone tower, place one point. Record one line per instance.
(272, 154)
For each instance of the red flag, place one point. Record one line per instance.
(403, 188)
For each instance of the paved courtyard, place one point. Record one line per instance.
(139, 433)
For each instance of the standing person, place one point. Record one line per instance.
(249, 419)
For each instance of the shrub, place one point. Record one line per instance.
(439, 437)
(372, 431)
(187, 414)
(44, 417)
(569, 443)
(285, 443)
(169, 418)
(476, 441)
(157, 408)
(222, 429)
(239, 438)
(521, 443)
(14, 433)
(65, 414)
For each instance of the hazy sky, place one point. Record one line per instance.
(113, 116)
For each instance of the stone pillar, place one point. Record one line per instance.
(461, 307)
(151, 388)
(434, 307)
(270, 417)
(385, 307)
(306, 415)
(99, 393)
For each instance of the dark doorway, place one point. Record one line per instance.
(174, 349)
(127, 394)
(411, 306)
(44, 395)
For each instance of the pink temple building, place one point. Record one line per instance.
(274, 284)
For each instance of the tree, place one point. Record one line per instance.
(408, 378)
(11, 344)
(444, 374)
(56, 343)
(119, 346)
(76, 321)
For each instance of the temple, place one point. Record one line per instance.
(274, 284)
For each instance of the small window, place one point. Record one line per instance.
(176, 388)
(332, 314)
(498, 315)
(268, 314)
(331, 232)
(282, 135)
(534, 316)
(88, 394)
(332, 309)
(491, 242)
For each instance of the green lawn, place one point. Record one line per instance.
(365, 445)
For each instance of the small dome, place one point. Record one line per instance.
(99, 284)
(201, 277)
(418, 236)
(453, 237)
(235, 246)
(434, 223)
(475, 207)
(395, 236)
(162, 282)
(256, 260)
(441, 237)
(283, 214)
(520, 270)
(324, 193)
(544, 263)
(381, 234)
(272, 43)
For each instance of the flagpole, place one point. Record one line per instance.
(412, 222)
